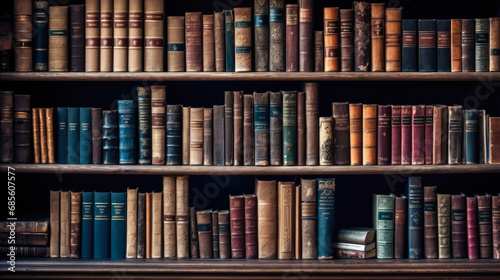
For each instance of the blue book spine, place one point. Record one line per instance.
(174, 135)
(73, 135)
(41, 35)
(444, 45)
(383, 222)
(409, 48)
(427, 45)
(415, 218)
(62, 135)
(109, 137)
(87, 224)
(471, 136)
(118, 224)
(144, 104)
(102, 213)
(261, 126)
(127, 118)
(229, 30)
(85, 135)
(326, 218)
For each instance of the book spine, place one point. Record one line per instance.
(456, 45)
(228, 128)
(277, 125)
(415, 218)
(220, 52)
(347, 40)
(174, 135)
(194, 38)
(443, 45)
(472, 228)
(193, 234)
(49, 117)
(87, 232)
(62, 134)
(85, 142)
(312, 124)
(43, 135)
(238, 127)
(135, 35)
(267, 218)
(468, 45)
(118, 225)
(383, 220)
(102, 213)
(58, 38)
(157, 226)
(248, 130)
(309, 219)
(355, 133)
(120, 35)
(92, 35)
(286, 220)
(23, 32)
(207, 137)
(430, 223)
(40, 42)
(396, 135)
(182, 216)
(96, 116)
(76, 38)
(384, 135)
(224, 236)
(158, 124)
(455, 134)
(326, 217)
(236, 204)
(319, 46)
(153, 35)
(292, 38)
(243, 41)
(485, 226)
(261, 38)
(494, 40)
(106, 32)
(429, 128)
(131, 224)
(215, 234)
(54, 223)
(144, 132)
(176, 47)
(400, 227)
(350, 254)
(75, 249)
(332, 39)
(495, 222)
(196, 136)
(277, 35)
(229, 39)
(208, 43)
(406, 134)
(393, 39)
(444, 225)
(418, 134)
(289, 127)
(471, 126)
(427, 51)
(141, 225)
(261, 125)
(369, 134)
(301, 128)
(22, 129)
(219, 111)
(73, 135)
(65, 235)
(204, 229)
(458, 226)
(148, 226)
(169, 238)
(409, 49)
(298, 224)
(306, 35)
(483, 136)
(440, 135)
(127, 131)
(36, 135)
(326, 145)
(110, 137)
(377, 36)
(6, 126)
(361, 36)
(251, 226)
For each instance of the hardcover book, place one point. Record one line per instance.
(458, 226)
(418, 135)
(289, 127)
(158, 124)
(218, 149)
(409, 49)
(76, 38)
(286, 199)
(309, 219)
(430, 223)
(174, 135)
(182, 216)
(208, 43)
(346, 40)
(277, 35)
(169, 218)
(415, 218)
(393, 39)
(326, 217)
(378, 37)
(153, 35)
(444, 225)
(468, 45)
(229, 40)
(131, 225)
(194, 39)
(127, 123)
(7, 126)
(400, 227)
(215, 234)
(261, 123)
(384, 135)
(406, 134)
(238, 127)
(220, 51)
(110, 137)
(251, 236)
(96, 135)
(395, 134)
(276, 123)
(292, 38)
(319, 46)
(472, 228)
(443, 45)
(58, 38)
(36, 135)
(267, 218)
(362, 55)
(455, 134)
(92, 35)
(204, 229)
(102, 214)
(118, 225)
(355, 133)
(340, 112)
(440, 135)
(471, 139)
(369, 134)
(228, 128)
(237, 208)
(144, 125)
(301, 128)
(87, 224)
(326, 146)
(306, 35)
(485, 226)
(156, 226)
(312, 125)
(23, 32)
(141, 225)
(494, 44)
(383, 222)
(193, 234)
(65, 227)
(73, 135)
(332, 39)
(224, 238)
(176, 47)
(243, 39)
(196, 137)
(207, 136)
(427, 43)
(135, 35)
(456, 45)
(22, 129)
(40, 38)
(261, 38)
(106, 33)
(495, 223)
(55, 223)
(85, 141)
(248, 130)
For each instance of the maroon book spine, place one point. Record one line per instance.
(472, 228)
(429, 133)
(418, 134)
(430, 223)
(485, 230)
(400, 227)
(405, 134)
(458, 226)
(396, 135)
(384, 135)
(495, 220)
(292, 38)
(306, 36)
(237, 225)
(251, 226)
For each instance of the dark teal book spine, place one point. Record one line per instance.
(144, 105)
(87, 224)
(289, 127)
(409, 45)
(118, 224)
(383, 222)
(174, 134)
(261, 126)
(109, 137)
(73, 135)
(102, 211)
(229, 40)
(127, 118)
(482, 44)
(326, 218)
(62, 134)
(471, 136)
(415, 218)
(85, 135)
(427, 45)
(41, 35)
(444, 45)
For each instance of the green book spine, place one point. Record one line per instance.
(383, 222)
(73, 135)
(289, 127)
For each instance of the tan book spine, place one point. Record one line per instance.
(182, 216)
(169, 241)
(75, 244)
(176, 46)
(369, 134)
(208, 43)
(219, 35)
(120, 36)
(456, 45)
(393, 32)
(356, 128)
(326, 153)
(49, 116)
(58, 38)
(196, 136)
(158, 120)
(285, 220)
(298, 224)
(23, 32)
(186, 121)
(65, 224)
(157, 230)
(36, 135)
(131, 250)
(332, 39)
(194, 42)
(444, 225)
(378, 36)
(106, 53)
(92, 35)
(312, 124)
(153, 35)
(135, 34)
(267, 218)
(54, 223)
(243, 39)
(495, 44)
(43, 136)
(149, 223)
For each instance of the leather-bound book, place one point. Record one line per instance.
(409, 45)
(120, 35)
(261, 125)
(157, 226)
(355, 133)
(456, 45)
(483, 137)
(301, 128)
(36, 135)
(383, 222)
(141, 225)
(276, 123)
(400, 227)
(277, 35)
(267, 218)
(182, 216)
(378, 37)
(58, 38)
(444, 225)
(243, 39)
(384, 135)
(292, 38)
(406, 136)
(65, 227)
(75, 249)
(415, 218)
(326, 145)
(361, 36)
(220, 52)
(118, 225)
(85, 141)
(443, 45)
(248, 130)
(472, 228)
(6, 126)
(468, 45)
(455, 134)
(326, 217)
(215, 234)
(228, 128)
(96, 135)
(218, 119)
(43, 135)
(229, 39)
(127, 128)
(169, 238)
(429, 128)
(193, 234)
(174, 135)
(224, 237)
(340, 111)
(208, 43)
(158, 124)
(495, 222)
(494, 44)
(22, 129)
(251, 226)
(369, 134)
(194, 38)
(430, 223)
(153, 35)
(196, 136)
(135, 35)
(54, 223)
(49, 117)
(312, 124)
(149, 224)
(110, 137)
(92, 35)
(440, 134)
(131, 243)
(23, 32)
(395, 134)
(238, 127)
(87, 224)
(418, 134)
(485, 226)
(482, 44)
(309, 219)
(144, 124)
(332, 39)
(471, 136)
(393, 32)
(346, 40)
(458, 226)
(297, 222)
(204, 229)
(106, 32)
(207, 137)
(176, 48)
(40, 37)
(306, 35)
(261, 38)
(494, 127)
(237, 208)
(74, 135)
(76, 38)
(427, 45)
(319, 46)
(286, 193)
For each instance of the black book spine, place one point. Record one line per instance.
(229, 129)
(6, 126)
(141, 225)
(22, 129)
(77, 38)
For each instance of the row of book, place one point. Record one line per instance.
(128, 35)
(425, 224)
(25, 237)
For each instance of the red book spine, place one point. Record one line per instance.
(384, 135)
(418, 134)
(237, 224)
(495, 207)
(472, 228)
(251, 226)
(396, 135)
(458, 226)
(429, 133)
(405, 134)
(400, 227)
(292, 38)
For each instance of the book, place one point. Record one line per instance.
(458, 226)
(248, 130)
(261, 38)
(120, 35)
(215, 234)
(355, 247)
(153, 35)
(158, 124)
(49, 120)
(427, 45)
(297, 222)
(26, 251)
(362, 55)
(378, 37)
(131, 225)
(430, 222)
(472, 228)
(73, 135)
(493, 125)
(55, 223)
(440, 135)
(23, 32)
(384, 137)
(135, 35)
(92, 35)
(355, 133)
(169, 238)
(471, 139)
(194, 38)
(357, 235)
(326, 145)
(456, 45)
(237, 223)
(393, 32)
(418, 135)
(174, 135)
(351, 254)
(218, 145)
(444, 225)
(36, 135)
(443, 45)
(312, 123)
(207, 136)
(261, 126)
(208, 43)
(409, 45)
(319, 46)
(144, 125)
(22, 129)
(289, 128)
(40, 37)
(415, 218)
(495, 221)
(251, 234)
(308, 219)
(25, 239)
(369, 134)
(292, 38)
(332, 39)
(127, 123)
(76, 19)
(182, 216)
(267, 218)
(494, 40)
(224, 236)
(286, 194)
(455, 133)
(96, 116)
(220, 51)
(106, 33)
(306, 35)
(65, 226)
(157, 226)
(301, 128)
(118, 225)
(276, 130)
(85, 141)
(176, 46)
(383, 222)
(485, 226)
(468, 45)
(277, 35)
(400, 227)
(148, 225)
(75, 249)
(102, 213)
(229, 40)
(326, 217)
(193, 234)
(340, 111)
(395, 134)
(28, 224)
(238, 127)
(43, 135)
(483, 136)
(196, 136)
(242, 39)
(6, 126)
(186, 120)
(204, 229)
(346, 40)
(141, 225)
(110, 137)
(406, 134)
(228, 128)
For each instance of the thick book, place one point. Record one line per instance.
(131, 224)
(494, 57)
(237, 223)
(286, 200)
(356, 235)
(261, 126)
(378, 37)
(319, 46)
(196, 136)
(495, 223)
(409, 45)
(238, 127)
(261, 38)
(23, 32)
(156, 226)
(40, 37)
(158, 124)
(174, 135)
(6, 126)
(400, 227)
(153, 35)
(406, 134)
(352, 254)
(176, 47)
(36, 135)
(85, 141)
(135, 35)
(92, 35)
(144, 125)
(141, 225)
(229, 39)
(331, 29)
(96, 135)
(118, 225)
(106, 33)
(25, 239)
(443, 45)
(471, 138)
(218, 135)
(427, 45)
(306, 35)
(415, 218)
(62, 135)
(102, 216)
(384, 137)
(169, 240)
(440, 135)
(194, 39)
(110, 137)
(393, 33)
(73, 135)
(207, 136)
(208, 43)
(383, 222)
(28, 224)
(267, 218)
(312, 123)
(369, 135)
(362, 38)
(204, 229)
(22, 129)
(346, 40)
(444, 225)
(468, 45)
(292, 38)
(301, 128)
(182, 216)
(243, 39)
(458, 226)
(430, 222)
(418, 134)
(277, 35)
(340, 112)
(472, 228)
(26, 251)
(251, 237)
(455, 134)
(76, 38)
(55, 223)
(58, 38)
(276, 125)
(326, 145)
(248, 130)
(193, 234)
(224, 236)
(485, 226)
(309, 218)
(395, 134)
(289, 127)
(215, 234)
(326, 217)
(228, 128)
(456, 45)
(355, 133)
(127, 124)
(220, 51)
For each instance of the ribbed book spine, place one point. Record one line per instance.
(468, 45)
(332, 39)
(301, 128)
(75, 242)
(236, 205)
(127, 124)
(326, 217)
(286, 199)
(58, 38)
(144, 105)
(369, 134)
(204, 228)
(495, 220)
(400, 227)
(440, 135)
(377, 36)
(261, 123)
(418, 134)
(383, 222)
(65, 227)
(494, 44)
(276, 128)
(326, 148)
(312, 124)
(427, 51)
(485, 229)
(306, 35)
(251, 226)
(55, 223)
(340, 111)
(36, 135)
(309, 218)
(135, 35)
(471, 126)
(157, 226)
(429, 128)
(102, 216)
(169, 238)
(106, 33)
(443, 45)
(248, 130)
(174, 135)
(228, 128)
(87, 224)
(229, 39)
(76, 38)
(346, 40)
(85, 142)
(289, 127)
(458, 226)
(243, 41)
(267, 218)
(194, 38)
(96, 135)
(40, 38)
(455, 134)
(430, 223)
(456, 45)
(196, 136)
(158, 124)
(355, 133)
(409, 49)
(292, 38)
(153, 35)
(384, 135)
(23, 32)
(220, 51)
(277, 35)
(393, 34)
(215, 234)
(218, 144)
(176, 47)
(118, 225)
(415, 218)
(319, 50)
(361, 36)
(261, 38)
(396, 135)
(73, 135)
(7, 126)
(208, 43)
(238, 127)
(92, 35)
(193, 234)
(472, 228)
(120, 35)
(110, 137)
(224, 238)
(444, 226)
(406, 136)
(182, 216)
(207, 136)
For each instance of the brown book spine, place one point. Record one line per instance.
(319, 57)
(6, 126)
(176, 46)
(43, 136)
(219, 37)
(131, 249)
(158, 115)
(106, 53)
(49, 117)
(196, 137)
(378, 36)
(459, 226)
(485, 226)
(356, 128)
(36, 135)
(267, 218)
(169, 236)
(277, 35)
(261, 37)
(204, 229)
(96, 135)
(261, 127)
(369, 134)
(208, 43)
(332, 39)
(149, 223)
(456, 45)
(193, 234)
(76, 225)
(250, 226)
(237, 207)
(312, 124)
(297, 222)
(224, 236)
(309, 219)
(194, 52)
(326, 145)
(215, 234)
(153, 35)
(393, 33)
(440, 135)
(120, 36)
(186, 114)
(468, 45)
(54, 223)
(182, 216)
(347, 40)
(22, 129)
(243, 39)
(306, 35)
(228, 128)
(157, 226)
(400, 227)
(301, 128)
(58, 38)
(292, 38)
(430, 223)
(495, 221)
(444, 226)
(361, 36)
(494, 44)
(65, 227)
(248, 130)
(207, 136)
(135, 35)
(238, 127)
(286, 220)
(92, 39)
(23, 32)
